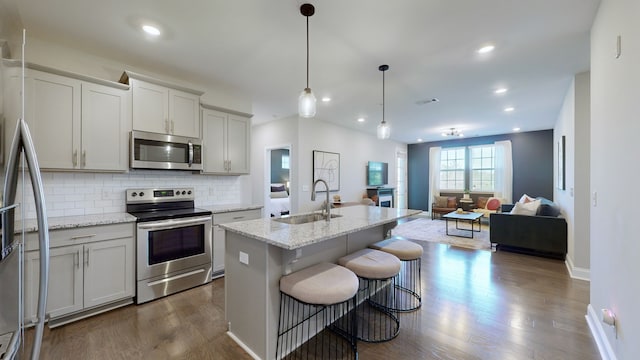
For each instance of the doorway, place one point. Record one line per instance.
(278, 181)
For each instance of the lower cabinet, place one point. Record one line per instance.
(219, 234)
(81, 276)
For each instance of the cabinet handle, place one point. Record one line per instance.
(166, 126)
(77, 262)
(74, 158)
(172, 127)
(81, 236)
(238, 217)
(86, 252)
(84, 158)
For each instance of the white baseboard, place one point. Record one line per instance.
(577, 272)
(597, 331)
(243, 346)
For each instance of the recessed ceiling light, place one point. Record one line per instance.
(419, 140)
(486, 49)
(501, 91)
(516, 129)
(509, 109)
(151, 30)
(360, 119)
(326, 99)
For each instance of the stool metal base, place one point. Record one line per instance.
(409, 286)
(310, 331)
(377, 321)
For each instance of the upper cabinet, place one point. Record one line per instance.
(163, 108)
(226, 138)
(72, 118)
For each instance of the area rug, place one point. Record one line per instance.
(434, 230)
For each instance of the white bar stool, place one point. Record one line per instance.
(311, 300)
(409, 280)
(377, 271)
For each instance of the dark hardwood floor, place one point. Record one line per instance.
(476, 305)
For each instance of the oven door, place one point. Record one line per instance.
(168, 246)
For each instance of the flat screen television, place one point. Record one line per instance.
(377, 173)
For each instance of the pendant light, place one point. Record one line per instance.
(307, 101)
(384, 131)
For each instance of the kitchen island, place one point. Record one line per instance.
(258, 252)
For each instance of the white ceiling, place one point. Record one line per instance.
(258, 47)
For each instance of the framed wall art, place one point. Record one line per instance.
(326, 166)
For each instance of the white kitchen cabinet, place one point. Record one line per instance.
(219, 234)
(226, 138)
(73, 121)
(163, 108)
(94, 271)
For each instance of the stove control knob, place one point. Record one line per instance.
(177, 192)
(183, 192)
(189, 192)
(141, 193)
(134, 194)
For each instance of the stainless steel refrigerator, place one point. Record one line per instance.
(12, 251)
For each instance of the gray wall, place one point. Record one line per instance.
(532, 164)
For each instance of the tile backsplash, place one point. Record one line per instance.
(69, 194)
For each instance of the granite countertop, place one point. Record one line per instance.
(70, 222)
(216, 209)
(353, 219)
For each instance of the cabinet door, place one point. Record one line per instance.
(105, 131)
(218, 250)
(108, 272)
(213, 140)
(184, 115)
(238, 139)
(65, 282)
(150, 107)
(53, 114)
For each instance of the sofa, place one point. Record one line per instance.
(543, 233)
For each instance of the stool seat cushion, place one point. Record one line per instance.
(321, 284)
(371, 264)
(404, 249)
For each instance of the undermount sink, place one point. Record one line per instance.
(303, 219)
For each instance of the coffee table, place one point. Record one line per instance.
(465, 216)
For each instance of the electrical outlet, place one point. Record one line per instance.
(244, 258)
(594, 198)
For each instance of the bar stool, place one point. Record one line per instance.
(311, 300)
(408, 282)
(377, 271)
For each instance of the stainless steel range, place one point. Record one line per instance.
(173, 241)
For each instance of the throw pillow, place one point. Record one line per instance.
(529, 208)
(493, 204)
(525, 199)
(441, 201)
(279, 194)
(482, 202)
(451, 202)
(278, 188)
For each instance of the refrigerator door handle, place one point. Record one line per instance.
(22, 140)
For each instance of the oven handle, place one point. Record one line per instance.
(190, 154)
(170, 224)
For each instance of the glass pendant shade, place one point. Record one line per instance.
(384, 131)
(307, 104)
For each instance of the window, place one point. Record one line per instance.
(482, 168)
(452, 168)
(470, 167)
(285, 161)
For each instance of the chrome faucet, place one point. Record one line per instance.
(327, 208)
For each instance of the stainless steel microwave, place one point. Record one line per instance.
(168, 152)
